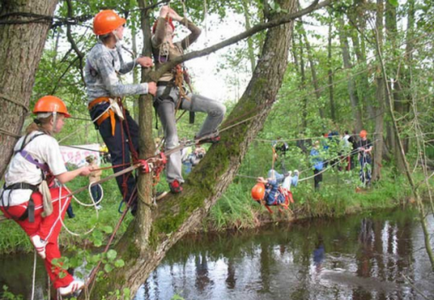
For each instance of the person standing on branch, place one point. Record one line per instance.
(25, 196)
(171, 94)
(104, 89)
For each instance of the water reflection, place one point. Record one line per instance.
(375, 257)
(363, 258)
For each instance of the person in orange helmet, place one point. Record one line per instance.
(364, 156)
(25, 196)
(270, 191)
(104, 65)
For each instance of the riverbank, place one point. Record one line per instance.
(339, 195)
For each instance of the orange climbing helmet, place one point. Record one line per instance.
(363, 133)
(51, 104)
(258, 191)
(106, 21)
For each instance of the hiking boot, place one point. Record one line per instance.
(207, 139)
(74, 286)
(39, 245)
(175, 187)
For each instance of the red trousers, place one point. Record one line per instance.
(48, 229)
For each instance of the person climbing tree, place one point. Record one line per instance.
(365, 149)
(171, 94)
(26, 198)
(104, 90)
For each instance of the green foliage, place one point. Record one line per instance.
(6, 295)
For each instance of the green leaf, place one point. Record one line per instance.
(119, 263)
(108, 268)
(394, 2)
(111, 254)
(107, 229)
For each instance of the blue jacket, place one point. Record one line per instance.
(316, 160)
(272, 193)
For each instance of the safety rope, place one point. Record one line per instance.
(85, 126)
(339, 158)
(92, 275)
(34, 276)
(7, 98)
(6, 132)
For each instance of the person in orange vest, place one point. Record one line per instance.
(104, 64)
(26, 197)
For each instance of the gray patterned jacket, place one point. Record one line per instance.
(101, 74)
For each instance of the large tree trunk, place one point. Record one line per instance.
(299, 67)
(22, 40)
(399, 106)
(177, 215)
(330, 72)
(381, 89)
(313, 71)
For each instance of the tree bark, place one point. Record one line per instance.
(299, 65)
(21, 49)
(178, 214)
(351, 84)
(250, 47)
(380, 95)
(313, 71)
(330, 72)
(395, 87)
(135, 75)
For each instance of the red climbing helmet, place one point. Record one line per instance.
(51, 104)
(258, 191)
(363, 133)
(106, 21)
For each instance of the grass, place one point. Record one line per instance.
(339, 195)
(13, 239)
(235, 209)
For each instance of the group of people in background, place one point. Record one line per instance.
(335, 150)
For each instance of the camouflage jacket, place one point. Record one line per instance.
(103, 66)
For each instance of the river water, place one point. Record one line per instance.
(371, 256)
(374, 256)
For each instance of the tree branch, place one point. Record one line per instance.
(255, 29)
(72, 42)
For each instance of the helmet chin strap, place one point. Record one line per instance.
(118, 40)
(54, 130)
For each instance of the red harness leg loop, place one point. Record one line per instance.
(144, 166)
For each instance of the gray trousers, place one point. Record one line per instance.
(166, 112)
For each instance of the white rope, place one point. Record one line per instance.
(60, 212)
(34, 277)
(86, 125)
